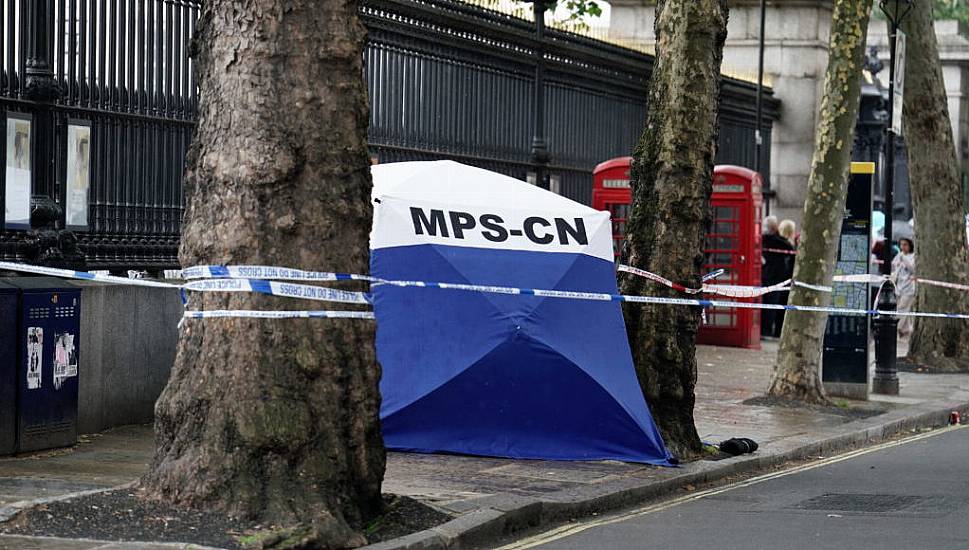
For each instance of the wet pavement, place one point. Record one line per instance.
(726, 378)
(98, 461)
(460, 484)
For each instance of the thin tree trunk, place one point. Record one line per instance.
(276, 420)
(797, 373)
(937, 200)
(671, 178)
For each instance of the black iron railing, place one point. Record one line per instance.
(446, 80)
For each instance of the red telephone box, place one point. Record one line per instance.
(611, 191)
(733, 242)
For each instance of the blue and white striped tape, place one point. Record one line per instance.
(222, 313)
(222, 271)
(266, 272)
(221, 279)
(712, 275)
(83, 275)
(279, 288)
(661, 300)
(257, 284)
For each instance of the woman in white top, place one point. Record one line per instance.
(903, 272)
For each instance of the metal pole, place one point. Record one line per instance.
(41, 87)
(886, 326)
(540, 155)
(889, 158)
(758, 137)
(39, 70)
(49, 246)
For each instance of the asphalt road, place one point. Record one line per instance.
(913, 495)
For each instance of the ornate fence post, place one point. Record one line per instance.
(45, 243)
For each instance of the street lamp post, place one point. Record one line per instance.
(540, 156)
(886, 376)
(758, 136)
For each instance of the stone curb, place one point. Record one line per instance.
(107, 544)
(14, 508)
(507, 514)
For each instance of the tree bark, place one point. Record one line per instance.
(797, 373)
(671, 178)
(937, 200)
(276, 420)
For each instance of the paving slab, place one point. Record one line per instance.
(726, 378)
(16, 542)
(99, 461)
(491, 497)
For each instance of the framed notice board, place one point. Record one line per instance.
(844, 362)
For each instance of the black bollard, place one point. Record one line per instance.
(886, 344)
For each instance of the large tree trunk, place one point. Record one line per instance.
(671, 178)
(276, 420)
(797, 373)
(937, 199)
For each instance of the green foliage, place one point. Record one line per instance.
(952, 9)
(944, 9)
(581, 8)
(372, 527)
(711, 450)
(578, 9)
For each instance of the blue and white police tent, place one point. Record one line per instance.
(496, 374)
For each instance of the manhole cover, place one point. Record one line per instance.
(877, 503)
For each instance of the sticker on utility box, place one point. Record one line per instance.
(65, 358)
(35, 357)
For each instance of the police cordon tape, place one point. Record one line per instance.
(272, 272)
(232, 285)
(941, 284)
(267, 272)
(273, 288)
(223, 313)
(780, 251)
(794, 253)
(734, 291)
(740, 291)
(713, 275)
(215, 271)
(277, 288)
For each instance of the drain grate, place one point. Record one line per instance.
(872, 503)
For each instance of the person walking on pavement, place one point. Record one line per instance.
(903, 274)
(778, 253)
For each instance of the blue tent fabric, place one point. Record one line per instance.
(505, 375)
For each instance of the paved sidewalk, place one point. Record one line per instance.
(491, 497)
(99, 461)
(726, 378)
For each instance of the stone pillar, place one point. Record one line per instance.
(954, 53)
(795, 59)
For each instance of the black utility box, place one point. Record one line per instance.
(9, 302)
(39, 351)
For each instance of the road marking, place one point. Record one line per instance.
(574, 529)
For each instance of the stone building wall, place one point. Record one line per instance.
(795, 59)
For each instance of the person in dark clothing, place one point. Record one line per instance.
(778, 265)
